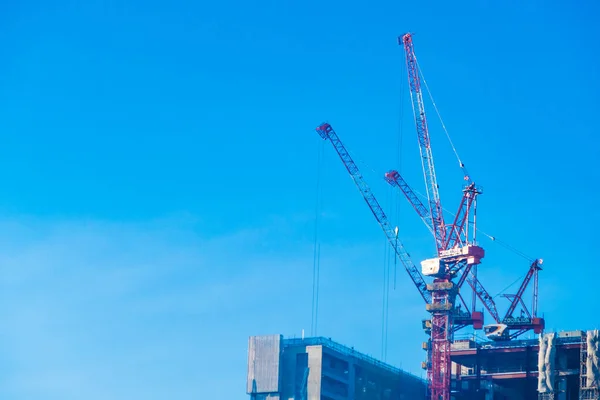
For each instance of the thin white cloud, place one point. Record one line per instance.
(97, 310)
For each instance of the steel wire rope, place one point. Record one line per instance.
(386, 266)
(509, 286)
(386, 299)
(383, 319)
(399, 158)
(316, 243)
(460, 163)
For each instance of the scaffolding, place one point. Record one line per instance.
(586, 390)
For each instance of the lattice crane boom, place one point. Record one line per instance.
(395, 179)
(518, 298)
(483, 295)
(512, 326)
(416, 95)
(326, 132)
(456, 233)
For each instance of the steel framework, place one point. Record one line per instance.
(433, 195)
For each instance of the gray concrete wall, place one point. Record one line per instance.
(264, 357)
(315, 356)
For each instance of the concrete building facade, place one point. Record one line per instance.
(320, 369)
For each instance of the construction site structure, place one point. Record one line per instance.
(318, 368)
(560, 365)
(556, 366)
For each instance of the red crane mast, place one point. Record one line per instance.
(455, 252)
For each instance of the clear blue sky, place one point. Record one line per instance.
(158, 172)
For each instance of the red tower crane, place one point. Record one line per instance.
(457, 251)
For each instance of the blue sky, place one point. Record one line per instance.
(159, 162)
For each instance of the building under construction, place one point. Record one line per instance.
(320, 369)
(559, 366)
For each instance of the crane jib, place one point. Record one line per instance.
(326, 132)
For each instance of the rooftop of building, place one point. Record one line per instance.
(347, 351)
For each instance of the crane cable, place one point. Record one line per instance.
(462, 166)
(400, 125)
(386, 300)
(395, 210)
(509, 286)
(386, 266)
(316, 244)
(399, 161)
(460, 163)
(506, 245)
